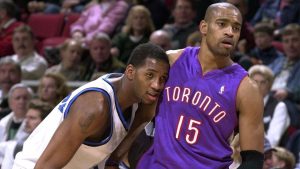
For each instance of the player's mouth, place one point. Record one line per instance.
(227, 43)
(152, 96)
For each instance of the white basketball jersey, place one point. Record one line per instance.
(89, 154)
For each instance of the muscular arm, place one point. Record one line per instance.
(250, 106)
(88, 119)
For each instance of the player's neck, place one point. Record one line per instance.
(210, 62)
(124, 94)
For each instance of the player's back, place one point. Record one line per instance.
(196, 116)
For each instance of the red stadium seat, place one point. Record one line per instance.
(46, 25)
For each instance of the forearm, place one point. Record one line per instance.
(247, 140)
(56, 156)
(252, 149)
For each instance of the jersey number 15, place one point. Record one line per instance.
(192, 127)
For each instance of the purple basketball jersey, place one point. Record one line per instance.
(196, 117)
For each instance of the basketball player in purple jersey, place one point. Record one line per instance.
(206, 98)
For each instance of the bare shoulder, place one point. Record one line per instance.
(89, 109)
(248, 93)
(91, 100)
(173, 55)
(247, 86)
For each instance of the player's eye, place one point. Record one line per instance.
(149, 75)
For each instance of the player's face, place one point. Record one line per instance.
(149, 80)
(222, 31)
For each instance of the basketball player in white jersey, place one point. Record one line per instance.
(85, 127)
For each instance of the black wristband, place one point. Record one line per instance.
(112, 163)
(251, 159)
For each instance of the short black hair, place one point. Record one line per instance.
(9, 7)
(24, 29)
(144, 51)
(264, 27)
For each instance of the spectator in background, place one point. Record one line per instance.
(70, 67)
(161, 38)
(37, 111)
(160, 13)
(288, 13)
(8, 23)
(268, 152)
(184, 13)
(137, 30)
(194, 39)
(276, 116)
(69, 6)
(32, 64)
(266, 12)
(10, 74)
(287, 72)
(102, 61)
(52, 88)
(103, 16)
(264, 52)
(45, 6)
(11, 126)
(283, 159)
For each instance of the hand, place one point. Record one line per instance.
(280, 94)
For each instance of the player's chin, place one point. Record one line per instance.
(149, 99)
(226, 52)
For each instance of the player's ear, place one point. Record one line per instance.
(130, 71)
(203, 27)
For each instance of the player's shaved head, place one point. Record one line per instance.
(212, 9)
